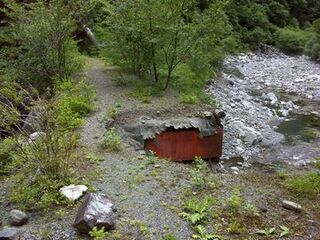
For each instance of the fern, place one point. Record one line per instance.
(203, 235)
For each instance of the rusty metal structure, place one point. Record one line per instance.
(184, 145)
(178, 139)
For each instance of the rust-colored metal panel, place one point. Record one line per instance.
(183, 145)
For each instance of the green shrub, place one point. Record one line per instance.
(111, 140)
(235, 200)
(98, 233)
(307, 185)
(74, 101)
(41, 34)
(291, 40)
(312, 48)
(47, 163)
(7, 147)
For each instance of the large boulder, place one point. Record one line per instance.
(17, 218)
(96, 210)
(247, 134)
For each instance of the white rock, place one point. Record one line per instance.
(34, 136)
(291, 205)
(73, 192)
(298, 80)
(301, 163)
(235, 169)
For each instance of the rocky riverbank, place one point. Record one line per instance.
(263, 92)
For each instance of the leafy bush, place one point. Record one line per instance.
(153, 40)
(291, 40)
(74, 101)
(111, 140)
(47, 162)
(312, 48)
(7, 147)
(307, 185)
(40, 44)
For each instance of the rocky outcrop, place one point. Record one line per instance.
(96, 210)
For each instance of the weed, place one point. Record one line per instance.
(195, 211)
(169, 237)
(189, 99)
(235, 200)
(307, 185)
(284, 231)
(267, 231)
(93, 158)
(251, 211)
(201, 233)
(7, 147)
(198, 173)
(317, 163)
(236, 228)
(111, 140)
(114, 112)
(98, 233)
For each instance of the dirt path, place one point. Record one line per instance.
(142, 188)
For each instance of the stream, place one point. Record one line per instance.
(272, 102)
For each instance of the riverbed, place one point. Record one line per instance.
(272, 106)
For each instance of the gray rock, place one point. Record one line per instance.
(17, 218)
(270, 97)
(9, 234)
(34, 136)
(248, 134)
(73, 192)
(97, 210)
(291, 205)
(301, 163)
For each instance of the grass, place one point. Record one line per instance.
(111, 140)
(306, 185)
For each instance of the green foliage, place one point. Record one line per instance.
(201, 234)
(285, 231)
(291, 40)
(74, 101)
(154, 37)
(40, 44)
(251, 211)
(236, 228)
(312, 48)
(235, 200)
(198, 173)
(98, 233)
(317, 163)
(307, 185)
(195, 211)
(169, 237)
(267, 231)
(111, 140)
(7, 147)
(45, 164)
(40, 192)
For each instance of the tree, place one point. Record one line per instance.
(39, 40)
(153, 37)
